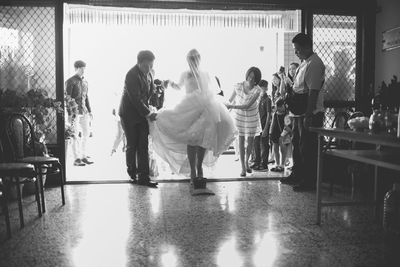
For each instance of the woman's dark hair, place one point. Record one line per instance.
(277, 76)
(303, 40)
(257, 74)
(275, 88)
(145, 55)
(263, 83)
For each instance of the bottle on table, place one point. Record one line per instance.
(391, 211)
(376, 121)
(387, 120)
(398, 124)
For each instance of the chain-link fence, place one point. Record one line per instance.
(27, 65)
(335, 40)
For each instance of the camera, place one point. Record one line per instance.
(157, 99)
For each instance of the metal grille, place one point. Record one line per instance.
(335, 40)
(27, 65)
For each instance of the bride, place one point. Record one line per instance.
(198, 129)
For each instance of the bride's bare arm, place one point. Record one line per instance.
(178, 86)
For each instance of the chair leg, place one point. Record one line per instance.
(37, 197)
(6, 213)
(19, 197)
(62, 184)
(376, 210)
(41, 190)
(352, 185)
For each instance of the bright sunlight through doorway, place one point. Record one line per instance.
(108, 40)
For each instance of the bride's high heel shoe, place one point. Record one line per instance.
(243, 174)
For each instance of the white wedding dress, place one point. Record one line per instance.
(199, 119)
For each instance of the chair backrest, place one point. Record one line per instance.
(20, 134)
(356, 114)
(340, 121)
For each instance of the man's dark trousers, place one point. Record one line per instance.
(137, 154)
(309, 150)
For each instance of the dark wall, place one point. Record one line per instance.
(387, 62)
(224, 4)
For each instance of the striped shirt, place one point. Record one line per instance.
(247, 120)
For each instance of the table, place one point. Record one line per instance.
(376, 157)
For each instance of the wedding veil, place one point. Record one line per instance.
(207, 84)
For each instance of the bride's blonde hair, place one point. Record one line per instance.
(193, 54)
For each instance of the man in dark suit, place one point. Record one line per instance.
(134, 111)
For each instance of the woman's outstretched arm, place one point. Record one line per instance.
(178, 86)
(248, 104)
(233, 96)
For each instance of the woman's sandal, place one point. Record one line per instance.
(243, 174)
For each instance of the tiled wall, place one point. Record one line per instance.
(288, 54)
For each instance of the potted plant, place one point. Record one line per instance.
(72, 107)
(37, 106)
(68, 134)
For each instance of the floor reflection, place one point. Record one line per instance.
(257, 223)
(104, 229)
(228, 255)
(168, 257)
(266, 250)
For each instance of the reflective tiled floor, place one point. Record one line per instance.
(112, 168)
(254, 223)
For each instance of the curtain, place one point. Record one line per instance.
(81, 14)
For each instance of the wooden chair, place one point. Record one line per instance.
(20, 133)
(4, 209)
(12, 173)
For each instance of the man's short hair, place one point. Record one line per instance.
(145, 55)
(79, 64)
(303, 40)
(263, 83)
(295, 64)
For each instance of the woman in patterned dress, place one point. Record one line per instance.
(246, 95)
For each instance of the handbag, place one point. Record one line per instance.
(296, 103)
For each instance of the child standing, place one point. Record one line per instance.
(261, 141)
(280, 135)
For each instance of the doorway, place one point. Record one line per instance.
(108, 40)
